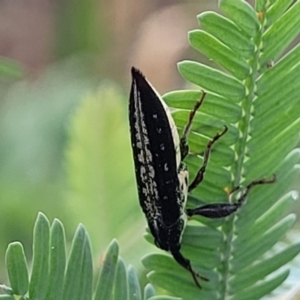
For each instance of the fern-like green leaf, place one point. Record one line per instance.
(257, 97)
(72, 278)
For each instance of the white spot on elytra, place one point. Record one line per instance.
(151, 171)
(148, 186)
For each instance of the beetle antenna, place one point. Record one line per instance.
(253, 183)
(192, 115)
(184, 147)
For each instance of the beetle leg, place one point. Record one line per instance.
(187, 265)
(243, 197)
(199, 177)
(214, 211)
(236, 188)
(220, 210)
(184, 147)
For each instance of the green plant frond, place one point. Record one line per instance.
(70, 278)
(258, 100)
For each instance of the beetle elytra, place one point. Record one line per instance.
(161, 174)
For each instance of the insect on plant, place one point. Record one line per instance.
(161, 174)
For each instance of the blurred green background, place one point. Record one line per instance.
(64, 85)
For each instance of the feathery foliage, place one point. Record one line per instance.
(254, 91)
(56, 277)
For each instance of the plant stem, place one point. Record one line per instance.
(237, 168)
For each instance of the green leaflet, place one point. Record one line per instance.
(108, 271)
(17, 268)
(280, 34)
(255, 209)
(149, 292)
(7, 297)
(196, 236)
(277, 73)
(40, 269)
(250, 275)
(206, 258)
(278, 109)
(213, 105)
(208, 124)
(267, 220)
(285, 117)
(261, 289)
(121, 288)
(212, 80)
(57, 261)
(133, 283)
(276, 10)
(285, 172)
(78, 278)
(220, 53)
(223, 156)
(242, 14)
(86, 272)
(215, 173)
(284, 87)
(185, 290)
(280, 150)
(255, 248)
(227, 32)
